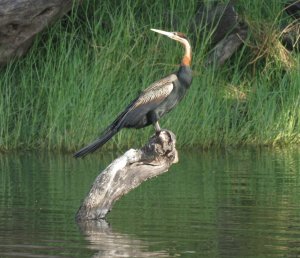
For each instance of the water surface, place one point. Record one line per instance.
(229, 203)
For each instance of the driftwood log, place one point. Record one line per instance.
(227, 46)
(128, 172)
(227, 31)
(21, 20)
(216, 18)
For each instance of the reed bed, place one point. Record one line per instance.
(86, 68)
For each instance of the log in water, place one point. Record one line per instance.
(128, 172)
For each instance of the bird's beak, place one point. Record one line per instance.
(169, 34)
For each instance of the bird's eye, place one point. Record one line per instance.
(179, 34)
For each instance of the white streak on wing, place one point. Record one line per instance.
(157, 94)
(159, 84)
(157, 91)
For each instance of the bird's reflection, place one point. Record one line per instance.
(108, 243)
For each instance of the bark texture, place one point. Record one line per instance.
(217, 18)
(21, 20)
(128, 172)
(227, 31)
(227, 46)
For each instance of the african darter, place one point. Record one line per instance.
(155, 101)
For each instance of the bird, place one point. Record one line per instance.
(153, 102)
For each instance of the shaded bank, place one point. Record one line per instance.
(83, 71)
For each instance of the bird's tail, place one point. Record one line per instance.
(107, 135)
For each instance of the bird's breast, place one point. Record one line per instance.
(185, 76)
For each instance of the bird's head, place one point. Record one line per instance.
(179, 37)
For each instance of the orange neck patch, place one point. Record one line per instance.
(186, 60)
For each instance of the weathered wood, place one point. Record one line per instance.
(21, 20)
(227, 33)
(292, 8)
(218, 18)
(128, 172)
(227, 46)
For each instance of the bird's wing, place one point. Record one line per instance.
(148, 99)
(156, 92)
(161, 83)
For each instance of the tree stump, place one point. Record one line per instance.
(128, 172)
(21, 20)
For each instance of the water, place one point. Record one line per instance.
(231, 203)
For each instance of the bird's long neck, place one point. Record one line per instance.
(187, 58)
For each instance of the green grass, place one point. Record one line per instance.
(86, 68)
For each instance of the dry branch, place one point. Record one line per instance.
(128, 172)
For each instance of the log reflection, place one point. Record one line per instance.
(109, 243)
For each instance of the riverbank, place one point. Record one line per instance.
(85, 69)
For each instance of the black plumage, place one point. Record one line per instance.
(155, 101)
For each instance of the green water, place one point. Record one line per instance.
(230, 203)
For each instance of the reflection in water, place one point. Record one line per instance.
(109, 244)
(231, 203)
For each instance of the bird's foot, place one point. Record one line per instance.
(157, 133)
(157, 128)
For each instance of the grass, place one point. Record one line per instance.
(85, 69)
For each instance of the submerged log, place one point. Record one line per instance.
(128, 172)
(21, 20)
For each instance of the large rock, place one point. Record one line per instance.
(21, 20)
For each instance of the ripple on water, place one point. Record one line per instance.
(243, 203)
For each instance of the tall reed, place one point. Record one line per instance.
(86, 68)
